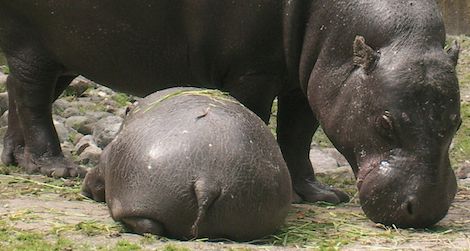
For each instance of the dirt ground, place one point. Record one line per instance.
(54, 213)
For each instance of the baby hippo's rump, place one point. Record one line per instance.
(193, 163)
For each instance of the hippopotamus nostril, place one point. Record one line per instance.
(410, 206)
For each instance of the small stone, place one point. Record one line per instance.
(84, 143)
(464, 170)
(78, 86)
(84, 105)
(82, 124)
(58, 118)
(106, 90)
(3, 80)
(91, 155)
(76, 137)
(4, 119)
(61, 130)
(3, 130)
(60, 105)
(71, 111)
(121, 112)
(3, 102)
(321, 161)
(338, 173)
(106, 129)
(332, 152)
(67, 149)
(98, 115)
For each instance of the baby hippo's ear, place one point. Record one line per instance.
(454, 52)
(364, 56)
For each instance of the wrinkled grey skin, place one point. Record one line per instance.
(193, 166)
(388, 102)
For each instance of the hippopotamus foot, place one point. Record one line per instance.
(143, 226)
(93, 185)
(52, 166)
(311, 190)
(12, 154)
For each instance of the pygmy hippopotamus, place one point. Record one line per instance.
(374, 73)
(193, 163)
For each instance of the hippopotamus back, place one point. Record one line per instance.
(200, 164)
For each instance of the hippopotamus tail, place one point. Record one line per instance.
(206, 194)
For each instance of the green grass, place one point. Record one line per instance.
(173, 247)
(122, 99)
(461, 148)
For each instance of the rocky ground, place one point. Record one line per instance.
(39, 213)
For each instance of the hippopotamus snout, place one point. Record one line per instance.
(406, 192)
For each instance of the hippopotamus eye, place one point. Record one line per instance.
(385, 124)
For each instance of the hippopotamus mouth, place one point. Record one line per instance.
(404, 191)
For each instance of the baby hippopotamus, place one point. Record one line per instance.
(191, 163)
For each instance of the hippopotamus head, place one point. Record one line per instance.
(398, 114)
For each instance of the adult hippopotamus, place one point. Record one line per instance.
(374, 73)
(193, 163)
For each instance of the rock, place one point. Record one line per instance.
(3, 130)
(90, 156)
(67, 149)
(3, 102)
(4, 119)
(106, 129)
(464, 170)
(121, 112)
(82, 124)
(3, 80)
(82, 104)
(70, 111)
(83, 144)
(62, 132)
(332, 152)
(78, 86)
(58, 118)
(321, 161)
(103, 89)
(338, 173)
(76, 137)
(329, 162)
(98, 115)
(59, 106)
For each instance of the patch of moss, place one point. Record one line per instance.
(122, 99)
(124, 245)
(173, 247)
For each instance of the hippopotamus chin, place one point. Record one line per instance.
(403, 170)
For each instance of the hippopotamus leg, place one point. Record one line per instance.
(33, 84)
(13, 141)
(296, 125)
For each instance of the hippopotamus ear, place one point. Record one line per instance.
(364, 56)
(453, 52)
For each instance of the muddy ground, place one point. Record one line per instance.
(38, 213)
